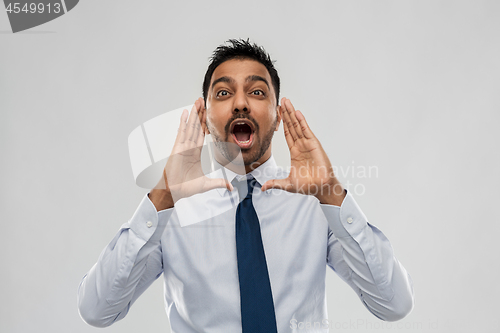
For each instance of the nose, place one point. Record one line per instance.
(240, 102)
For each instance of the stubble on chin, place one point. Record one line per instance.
(230, 151)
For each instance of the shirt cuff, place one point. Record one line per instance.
(347, 220)
(146, 220)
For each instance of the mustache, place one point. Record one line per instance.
(240, 116)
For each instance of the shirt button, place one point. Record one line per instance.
(349, 220)
(149, 224)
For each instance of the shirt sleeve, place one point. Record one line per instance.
(128, 265)
(363, 257)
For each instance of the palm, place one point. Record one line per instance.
(183, 173)
(311, 171)
(310, 167)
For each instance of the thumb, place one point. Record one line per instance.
(280, 184)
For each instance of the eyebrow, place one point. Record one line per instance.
(250, 78)
(257, 78)
(226, 79)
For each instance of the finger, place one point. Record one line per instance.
(201, 133)
(304, 126)
(288, 121)
(295, 122)
(198, 132)
(288, 136)
(280, 184)
(193, 125)
(181, 132)
(190, 122)
(197, 125)
(203, 117)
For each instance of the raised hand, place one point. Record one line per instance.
(183, 175)
(311, 172)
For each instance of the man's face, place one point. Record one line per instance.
(241, 109)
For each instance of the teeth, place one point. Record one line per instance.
(244, 141)
(242, 123)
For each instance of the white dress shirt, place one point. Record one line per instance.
(194, 246)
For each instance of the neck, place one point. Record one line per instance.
(240, 168)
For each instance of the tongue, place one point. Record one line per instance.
(242, 136)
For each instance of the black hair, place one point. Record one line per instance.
(241, 49)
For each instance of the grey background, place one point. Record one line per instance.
(410, 87)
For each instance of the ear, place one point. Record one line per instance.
(278, 117)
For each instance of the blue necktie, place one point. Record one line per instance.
(257, 307)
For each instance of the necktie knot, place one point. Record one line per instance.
(245, 187)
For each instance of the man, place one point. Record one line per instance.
(256, 260)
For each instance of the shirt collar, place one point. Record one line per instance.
(267, 171)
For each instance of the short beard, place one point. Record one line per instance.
(230, 151)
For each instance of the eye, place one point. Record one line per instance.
(222, 93)
(258, 93)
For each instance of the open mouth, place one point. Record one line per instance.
(242, 131)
